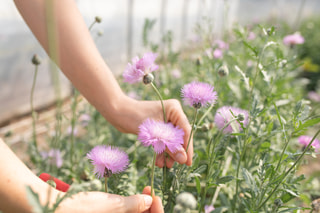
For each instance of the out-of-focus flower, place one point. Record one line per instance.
(198, 94)
(176, 73)
(139, 68)
(314, 96)
(73, 131)
(293, 39)
(305, 140)
(161, 135)
(249, 63)
(53, 156)
(186, 200)
(224, 116)
(108, 160)
(221, 44)
(217, 53)
(251, 36)
(208, 208)
(84, 119)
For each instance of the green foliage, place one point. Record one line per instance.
(251, 170)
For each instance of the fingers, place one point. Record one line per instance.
(137, 203)
(156, 206)
(176, 116)
(160, 161)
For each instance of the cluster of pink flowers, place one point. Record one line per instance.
(53, 156)
(217, 50)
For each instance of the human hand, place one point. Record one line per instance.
(104, 202)
(130, 113)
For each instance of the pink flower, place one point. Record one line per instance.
(251, 36)
(314, 96)
(84, 119)
(176, 73)
(217, 53)
(198, 94)
(53, 156)
(140, 67)
(161, 135)
(108, 160)
(221, 44)
(223, 116)
(208, 208)
(293, 39)
(305, 140)
(73, 131)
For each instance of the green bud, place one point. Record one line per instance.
(148, 78)
(241, 117)
(223, 71)
(36, 60)
(98, 19)
(186, 200)
(278, 202)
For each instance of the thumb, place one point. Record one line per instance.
(137, 203)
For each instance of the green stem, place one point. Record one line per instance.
(192, 128)
(161, 100)
(289, 170)
(33, 113)
(92, 25)
(152, 172)
(106, 184)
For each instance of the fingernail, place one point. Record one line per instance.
(180, 157)
(147, 201)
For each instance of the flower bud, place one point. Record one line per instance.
(98, 19)
(186, 200)
(278, 202)
(198, 61)
(197, 105)
(205, 127)
(148, 78)
(36, 60)
(223, 71)
(241, 117)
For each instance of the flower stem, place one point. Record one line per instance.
(152, 172)
(192, 128)
(161, 100)
(33, 113)
(106, 184)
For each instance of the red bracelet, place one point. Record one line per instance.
(60, 185)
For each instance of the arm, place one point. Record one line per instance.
(82, 63)
(15, 176)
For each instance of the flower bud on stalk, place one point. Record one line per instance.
(98, 19)
(36, 60)
(223, 71)
(148, 78)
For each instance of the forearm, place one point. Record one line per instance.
(14, 178)
(77, 54)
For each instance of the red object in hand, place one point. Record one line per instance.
(60, 185)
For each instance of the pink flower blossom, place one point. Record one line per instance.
(305, 140)
(198, 94)
(217, 53)
(161, 135)
(208, 208)
(221, 44)
(107, 159)
(53, 156)
(314, 96)
(293, 39)
(84, 119)
(140, 67)
(176, 73)
(251, 36)
(223, 116)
